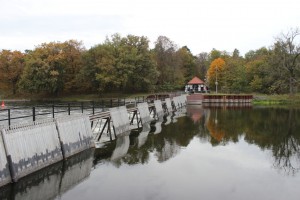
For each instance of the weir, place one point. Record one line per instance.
(169, 108)
(143, 109)
(4, 168)
(29, 147)
(158, 108)
(75, 134)
(120, 120)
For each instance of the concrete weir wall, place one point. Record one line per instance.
(4, 168)
(30, 147)
(143, 109)
(120, 120)
(168, 104)
(158, 108)
(26, 148)
(75, 134)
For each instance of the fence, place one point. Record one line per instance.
(28, 113)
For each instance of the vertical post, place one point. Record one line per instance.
(69, 109)
(33, 114)
(111, 103)
(124, 102)
(93, 103)
(143, 99)
(81, 107)
(118, 102)
(52, 110)
(8, 113)
(216, 80)
(102, 105)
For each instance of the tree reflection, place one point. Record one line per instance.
(164, 144)
(274, 129)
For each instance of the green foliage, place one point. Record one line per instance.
(52, 67)
(128, 65)
(120, 64)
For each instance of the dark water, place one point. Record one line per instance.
(251, 153)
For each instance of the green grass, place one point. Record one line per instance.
(283, 99)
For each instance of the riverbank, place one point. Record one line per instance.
(282, 99)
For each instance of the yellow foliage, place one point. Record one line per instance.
(216, 65)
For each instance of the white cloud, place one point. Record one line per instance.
(201, 25)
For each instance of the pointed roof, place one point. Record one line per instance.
(195, 80)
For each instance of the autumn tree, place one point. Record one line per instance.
(12, 64)
(215, 72)
(52, 67)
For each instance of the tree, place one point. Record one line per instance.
(52, 67)
(215, 70)
(164, 55)
(259, 73)
(287, 55)
(12, 64)
(202, 65)
(120, 64)
(186, 64)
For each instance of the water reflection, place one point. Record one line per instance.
(158, 124)
(275, 129)
(163, 140)
(122, 146)
(52, 181)
(143, 134)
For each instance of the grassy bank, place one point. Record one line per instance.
(283, 99)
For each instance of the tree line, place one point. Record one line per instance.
(129, 65)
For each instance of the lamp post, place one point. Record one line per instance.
(216, 80)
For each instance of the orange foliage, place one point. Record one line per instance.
(216, 65)
(214, 130)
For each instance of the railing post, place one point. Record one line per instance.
(118, 102)
(111, 103)
(69, 109)
(8, 113)
(124, 101)
(53, 111)
(102, 105)
(81, 107)
(143, 98)
(33, 114)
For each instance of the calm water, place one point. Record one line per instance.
(251, 153)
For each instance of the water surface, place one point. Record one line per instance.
(211, 153)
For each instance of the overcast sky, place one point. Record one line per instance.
(199, 24)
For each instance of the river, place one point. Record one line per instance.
(207, 153)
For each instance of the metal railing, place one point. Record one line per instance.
(33, 113)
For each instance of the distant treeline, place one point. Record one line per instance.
(127, 64)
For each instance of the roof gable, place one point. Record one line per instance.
(195, 80)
